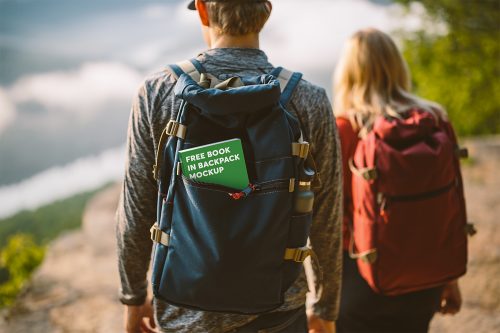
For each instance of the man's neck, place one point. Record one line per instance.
(250, 41)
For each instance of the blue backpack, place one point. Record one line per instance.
(217, 248)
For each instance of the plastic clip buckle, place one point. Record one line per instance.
(155, 234)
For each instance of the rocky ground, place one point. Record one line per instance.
(75, 289)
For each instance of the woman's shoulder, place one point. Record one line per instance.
(345, 127)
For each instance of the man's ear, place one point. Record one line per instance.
(269, 6)
(201, 7)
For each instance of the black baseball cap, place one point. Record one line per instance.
(193, 7)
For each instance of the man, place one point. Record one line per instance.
(231, 31)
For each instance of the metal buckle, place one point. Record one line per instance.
(303, 149)
(301, 254)
(369, 257)
(370, 174)
(462, 152)
(470, 229)
(172, 128)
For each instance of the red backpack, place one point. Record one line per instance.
(409, 219)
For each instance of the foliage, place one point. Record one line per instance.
(23, 238)
(47, 222)
(460, 69)
(18, 258)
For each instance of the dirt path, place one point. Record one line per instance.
(75, 289)
(481, 285)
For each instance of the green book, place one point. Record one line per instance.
(221, 163)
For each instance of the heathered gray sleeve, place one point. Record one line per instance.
(326, 231)
(137, 207)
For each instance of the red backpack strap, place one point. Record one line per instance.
(349, 140)
(460, 152)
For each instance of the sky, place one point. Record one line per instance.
(69, 70)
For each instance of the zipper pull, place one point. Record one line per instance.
(244, 193)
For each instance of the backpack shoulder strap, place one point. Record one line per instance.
(194, 69)
(288, 82)
(190, 67)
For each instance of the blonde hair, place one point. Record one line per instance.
(372, 79)
(237, 18)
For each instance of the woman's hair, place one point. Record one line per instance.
(238, 18)
(372, 79)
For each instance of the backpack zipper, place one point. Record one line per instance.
(383, 199)
(422, 196)
(235, 194)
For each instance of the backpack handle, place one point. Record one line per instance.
(288, 80)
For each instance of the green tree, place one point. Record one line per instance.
(18, 258)
(461, 68)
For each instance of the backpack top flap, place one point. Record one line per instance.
(415, 126)
(258, 93)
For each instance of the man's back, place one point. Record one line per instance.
(137, 211)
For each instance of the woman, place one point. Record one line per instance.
(372, 80)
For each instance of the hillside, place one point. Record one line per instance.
(75, 289)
